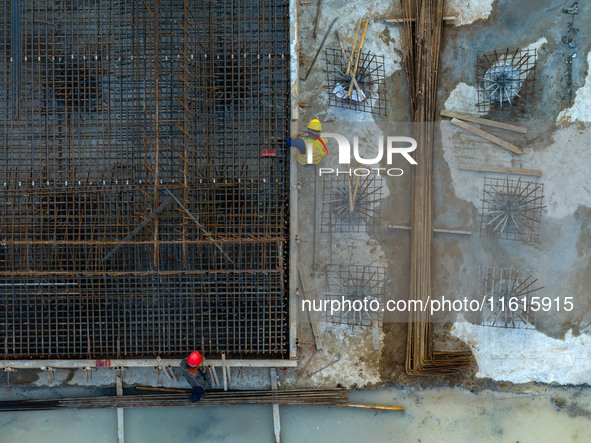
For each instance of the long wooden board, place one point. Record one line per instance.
(500, 169)
(311, 315)
(276, 416)
(447, 18)
(439, 230)
(120, 424)
(491, 138)
(483, 121)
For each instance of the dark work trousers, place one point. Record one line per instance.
(198, 381)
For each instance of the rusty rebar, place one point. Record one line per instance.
(137, 215)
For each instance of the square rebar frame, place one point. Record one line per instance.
(359, 285)
(371, 76)
(351, 204)
(137, 214)
(506, 297)
(520, 65)
(512, 209)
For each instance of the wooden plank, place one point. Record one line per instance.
(119, 385)
(487, 136)
(315, 33)
(376, 335)
(276, 416)
(224, 371)
(293, 255)
(451, 231)
(313, 322)
(214, 375)
(358, 54)
(164, 369)
(294, 25)
(229, 373)
(375, 407)
(483, 121)
(344, 54)
(440, 230)
(120, 425)
(447, 18)
(500, 169)
(353, 47)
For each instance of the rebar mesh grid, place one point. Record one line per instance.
(351, 204)
(118, 316)
(507, 298)
(506, 80)
(371, 77)
(137, 215)
(362, 287)
(512, 209)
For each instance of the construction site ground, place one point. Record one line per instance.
(561, 258)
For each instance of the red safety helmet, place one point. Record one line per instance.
(194, 359)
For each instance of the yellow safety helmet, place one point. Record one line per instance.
(315, 125)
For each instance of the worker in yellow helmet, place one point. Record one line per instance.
(311, 147)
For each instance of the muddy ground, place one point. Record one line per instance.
(563, 43)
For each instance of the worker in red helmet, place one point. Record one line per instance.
(195, 375)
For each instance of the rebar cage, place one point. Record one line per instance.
(359, 290)
(506, 80)
(512, 209)
(351, 204)
(506, 298)
(137, 214)
(371, 78)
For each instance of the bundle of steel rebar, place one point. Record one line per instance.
(210, 398)
(421, 39)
